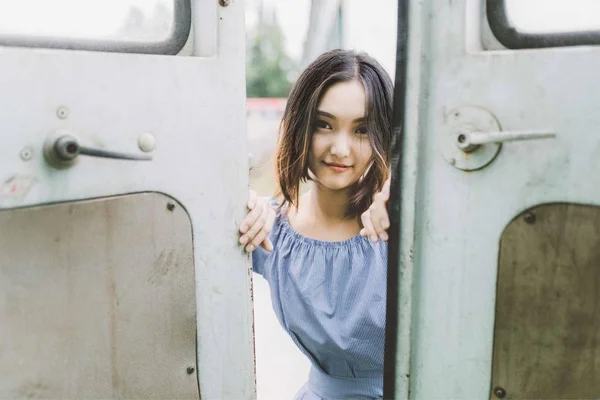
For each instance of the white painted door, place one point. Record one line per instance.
(123, 278)
(498, 274)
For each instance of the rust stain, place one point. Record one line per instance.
(253, 329)
(33, 390)
(111, 223)
(162, 266)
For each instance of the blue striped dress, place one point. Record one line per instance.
(330, 298)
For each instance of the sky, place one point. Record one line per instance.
(77, 18)
(539, 16)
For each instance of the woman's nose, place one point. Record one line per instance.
(341, 145)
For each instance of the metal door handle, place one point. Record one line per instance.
(63, 149)
(469, 141)
(67, 148)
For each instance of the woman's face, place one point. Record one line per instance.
(340, 150)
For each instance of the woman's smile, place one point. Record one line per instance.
(337, 167)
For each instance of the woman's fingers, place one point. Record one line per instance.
(368, 228)
(252, 215)
(252, 199)
(263, 233)
(380, 223)
(257, 225)
(380, 219)
(386, 189)
(267, 244)
(376, 220)
(251, 219)
(261, 210)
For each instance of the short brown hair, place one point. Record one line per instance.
(299, 117)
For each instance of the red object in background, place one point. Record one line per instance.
(265, 107)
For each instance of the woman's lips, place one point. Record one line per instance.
(338, 167)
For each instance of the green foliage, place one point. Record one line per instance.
(268, 67)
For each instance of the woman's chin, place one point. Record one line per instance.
(335, 184)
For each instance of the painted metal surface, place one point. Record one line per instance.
(409, 75)
(457, 123)
(194, 107)
(459, 216)
(545, 335)
(474, 137)
(97, 300)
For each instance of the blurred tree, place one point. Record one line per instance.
(268, 67)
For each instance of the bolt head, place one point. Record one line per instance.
(170, 206)
(190, 370)
(62, 112)
(27, 154)
(499, 392)
(529, 218)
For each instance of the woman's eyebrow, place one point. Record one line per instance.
(328, 115)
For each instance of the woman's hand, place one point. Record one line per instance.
(257, 225)
(375, 220)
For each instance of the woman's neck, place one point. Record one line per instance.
(321, 214)
(329, 206)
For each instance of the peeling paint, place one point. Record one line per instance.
(17, 187)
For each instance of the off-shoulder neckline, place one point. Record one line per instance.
(316, 242)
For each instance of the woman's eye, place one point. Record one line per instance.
(322, 124)
(362, 130)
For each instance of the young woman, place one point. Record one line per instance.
(320, 250)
